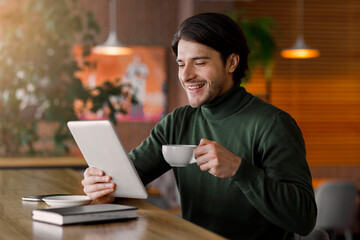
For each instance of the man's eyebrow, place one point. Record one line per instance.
(194, 58)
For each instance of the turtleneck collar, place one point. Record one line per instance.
(225, 104)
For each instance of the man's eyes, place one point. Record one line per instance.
(195, 63)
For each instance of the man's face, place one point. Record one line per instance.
(202, 72)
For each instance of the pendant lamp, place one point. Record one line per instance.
(300, 49)
(112, 46)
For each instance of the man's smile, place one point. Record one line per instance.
(195, 86)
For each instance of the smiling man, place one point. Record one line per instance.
(251, 180)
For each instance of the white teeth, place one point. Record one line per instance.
(196, 86)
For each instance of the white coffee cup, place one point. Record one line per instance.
(179, 155)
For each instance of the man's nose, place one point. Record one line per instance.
(187, 73)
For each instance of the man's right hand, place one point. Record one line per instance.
(97, 185)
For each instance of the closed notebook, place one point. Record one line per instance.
(82, 214)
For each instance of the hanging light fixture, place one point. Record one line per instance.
(300, 49)
(112, 46)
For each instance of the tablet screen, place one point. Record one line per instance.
(102, 149)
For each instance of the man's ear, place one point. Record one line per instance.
(232, 62)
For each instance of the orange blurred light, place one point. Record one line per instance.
(112, 50)
(300, 53)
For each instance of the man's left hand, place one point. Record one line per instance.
(217, 160)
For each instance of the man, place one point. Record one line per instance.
(251, 180)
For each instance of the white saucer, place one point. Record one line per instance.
(67, 201)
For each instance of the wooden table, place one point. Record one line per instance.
(44, 162)
(16, 223)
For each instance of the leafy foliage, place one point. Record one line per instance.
(258, 32)
(37, 69)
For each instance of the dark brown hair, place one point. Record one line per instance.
(219, 32)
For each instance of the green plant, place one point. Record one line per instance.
(258, 32)
(106, 100)
(37, 69)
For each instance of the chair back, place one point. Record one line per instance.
(336, 204)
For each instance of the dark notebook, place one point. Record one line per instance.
(83, 214)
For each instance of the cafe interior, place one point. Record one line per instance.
(72, 60)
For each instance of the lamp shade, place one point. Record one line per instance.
(300, 50)
(112, 46)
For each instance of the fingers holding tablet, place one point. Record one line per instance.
(97, 185)
(91, 171)
(94, 175)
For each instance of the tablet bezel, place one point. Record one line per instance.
(102, 148)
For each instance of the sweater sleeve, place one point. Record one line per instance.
(147, 157)
(281, 189)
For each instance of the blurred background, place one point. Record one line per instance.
(50, 74)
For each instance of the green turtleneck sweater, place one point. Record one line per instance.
(271, 194)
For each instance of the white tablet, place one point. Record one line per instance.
(102, 149)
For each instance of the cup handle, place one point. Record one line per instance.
(193, 159)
